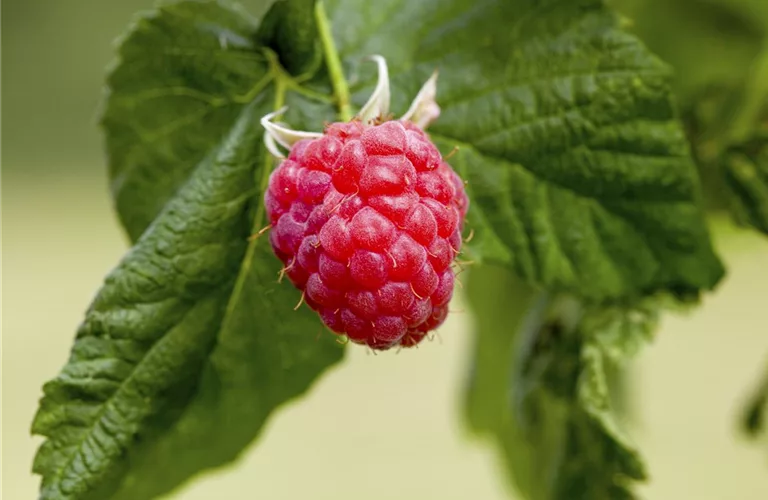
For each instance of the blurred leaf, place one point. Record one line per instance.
(538, 388)
(719, 51)
(754, 413)
(290, 30)
(744, 161)
(707, 42)
(491, 290)
(756, 408)
(729, 130)
(191, 343)
(746, 174)
(577, 167)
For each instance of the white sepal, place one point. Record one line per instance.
(271, 146)
(424, 109)
(378, 104)
(280, 134)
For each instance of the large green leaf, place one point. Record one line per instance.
(577, 167)
(538, 388)
(191, 344)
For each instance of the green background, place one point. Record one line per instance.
(383, 426)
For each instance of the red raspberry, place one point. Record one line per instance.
(367, 220)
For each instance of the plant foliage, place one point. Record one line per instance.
(586, 210)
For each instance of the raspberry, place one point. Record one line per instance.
(367, 219)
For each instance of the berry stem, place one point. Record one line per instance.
(339, 83)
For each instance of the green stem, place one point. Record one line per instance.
(339, 83)
(260, 218)
(285, 80)
(308, 93)
(255, 90)
(280, 85)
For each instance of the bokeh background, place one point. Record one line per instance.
(378, 427)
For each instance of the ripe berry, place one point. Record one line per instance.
(367, 219)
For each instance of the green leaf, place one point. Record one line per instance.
(491, 290)
(707, 43)
(746, 174)
(578, 170)
(184, 73)
(191, 344)
(146, 335)
(290, 30)
(266, 355)
(539, 389)
(600, 461)
(728, 129)
(620, 330)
